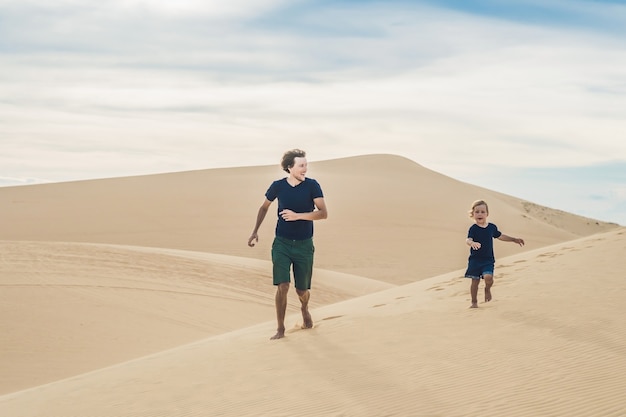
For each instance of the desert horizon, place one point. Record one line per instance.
(138, 296)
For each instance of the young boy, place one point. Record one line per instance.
(481, 260)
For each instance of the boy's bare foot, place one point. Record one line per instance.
(279, 334)
(487, 295)
(474, 305)
(308, 320)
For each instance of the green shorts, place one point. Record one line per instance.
(287, 253)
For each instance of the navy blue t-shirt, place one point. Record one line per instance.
(298, 199)
(485, 236)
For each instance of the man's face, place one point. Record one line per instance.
(298, 171)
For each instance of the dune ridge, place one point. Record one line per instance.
(384, 209)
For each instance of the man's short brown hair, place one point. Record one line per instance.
(289, 158)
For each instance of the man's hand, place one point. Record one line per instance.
(288, 215)
(253, 237)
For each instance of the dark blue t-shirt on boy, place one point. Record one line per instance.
(298, 199)
(485, 236)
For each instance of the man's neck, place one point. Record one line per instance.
(293, 181)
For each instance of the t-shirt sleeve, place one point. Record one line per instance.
(272, 192)
(316, 190)
(496, 233)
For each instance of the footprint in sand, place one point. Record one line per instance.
(550, 254)
(298, 327)
(331, 317)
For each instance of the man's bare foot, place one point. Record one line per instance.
(487, 295)
(279, 334)
(308, 321)
(474, 305)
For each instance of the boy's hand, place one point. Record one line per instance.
(472, 244)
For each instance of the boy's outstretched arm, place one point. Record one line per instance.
(506, 238)
(470, 242)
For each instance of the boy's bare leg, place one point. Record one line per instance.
(304, 296)
(474, 292)
(281, 309)
(488, 284)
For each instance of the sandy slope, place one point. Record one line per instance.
(384, 212)
(98, 273)
(69, 308)
(550, 344)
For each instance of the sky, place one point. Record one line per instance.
(525, 97)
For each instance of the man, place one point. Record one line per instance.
(300, 202)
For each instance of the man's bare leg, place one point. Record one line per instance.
(474, 292)
(304, 296)
(281, 309)
(488, 284)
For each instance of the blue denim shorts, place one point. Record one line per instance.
(478, 268)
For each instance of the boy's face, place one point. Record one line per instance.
(298, 171)
(480, 213)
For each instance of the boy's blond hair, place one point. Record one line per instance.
(476, 204)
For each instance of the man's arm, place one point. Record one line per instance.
(319, 214)
(259, 219)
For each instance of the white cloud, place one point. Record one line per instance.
(440, 87)
(171, 8)
(204, 8)
(619, 192)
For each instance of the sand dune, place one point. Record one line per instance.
(384, 210)
(139, 297)
(78, 307)
(537, 349)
